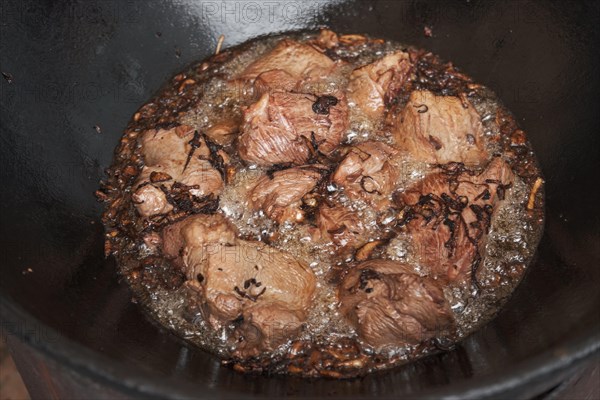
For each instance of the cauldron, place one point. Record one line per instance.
(76, 70)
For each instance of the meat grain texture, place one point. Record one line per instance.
(354, 206)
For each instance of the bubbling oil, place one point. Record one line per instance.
(511, 241)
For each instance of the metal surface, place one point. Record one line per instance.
(80, 64)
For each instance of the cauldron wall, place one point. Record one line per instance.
(78, 64)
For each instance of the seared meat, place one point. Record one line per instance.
(280, 195)
(290, 65)
(327, 39)
(372, 85)
(448, 215)
(193, 234)
(176, 155)
(265, 293)
(369, 172)
(267, 325)
(267, 288)
(283, 128)
(390, 305)
(440, 129)
(223, 132)
(342, 226)
(282, 81)
(151, 201)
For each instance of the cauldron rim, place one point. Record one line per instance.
(534, 373)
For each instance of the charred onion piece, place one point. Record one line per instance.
(323, 103)
(195, 143)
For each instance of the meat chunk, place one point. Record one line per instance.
(268, 289)
(327, 39)
(369, 172)
(283, 128)
(448, 215)
(224, 132)
(391, 306)
(151, 200)
(341, 226)
(280, 195)
(265, 326)
(172, 156)
(296, 64)
(441, 129)
(277, 78)
(264, 293)
(372, 85)
(195, 233)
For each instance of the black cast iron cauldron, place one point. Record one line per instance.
(81, 68)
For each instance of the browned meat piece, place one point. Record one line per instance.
(342, 226)
(327, 39)
(280, 195)
(448, 215)
(151, 201)
(300, 64)
(369, 172)
(280, 128)
(194, 233)
(277, 78)
(267, 289)
(265, 293)
(266, 326)
(223, 132)
(372, 85)
(168, 146)
(444, 252)
(391, 306)
(166, 153)
(441, 129)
